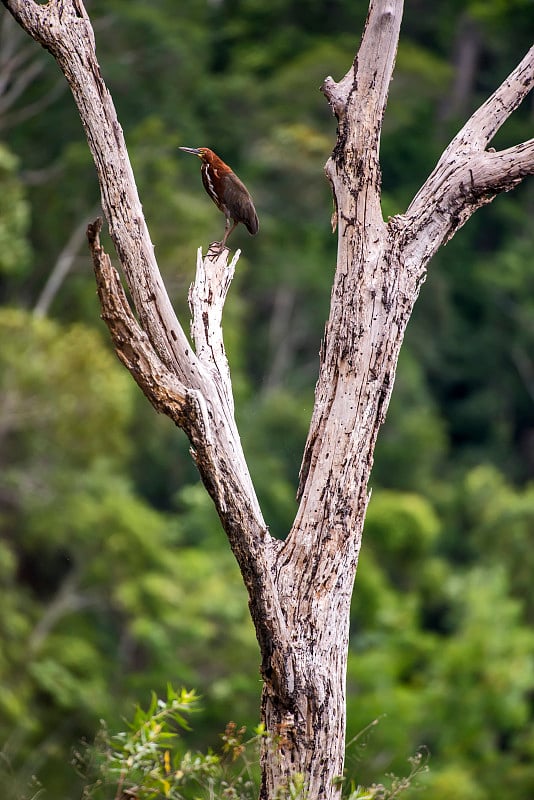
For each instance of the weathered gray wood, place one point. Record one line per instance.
(319, 558)
(299, 590)
(207, 296)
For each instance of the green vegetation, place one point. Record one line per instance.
(148, 761)
(115, 577)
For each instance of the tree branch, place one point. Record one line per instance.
(501, 170)
(467, 176)
(371, 70)
(165, 392)
(187, 407)
(358, 101)
(486, 121)
(207, 296)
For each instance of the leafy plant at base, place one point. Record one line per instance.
(146, 762)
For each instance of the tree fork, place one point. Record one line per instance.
(299, 589)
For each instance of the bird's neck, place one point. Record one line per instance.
(218, 165)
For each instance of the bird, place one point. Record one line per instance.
(229, 194)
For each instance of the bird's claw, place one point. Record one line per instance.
(217, 247)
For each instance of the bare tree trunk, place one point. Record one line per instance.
(299, 590)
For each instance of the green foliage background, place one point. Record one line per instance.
(115, 577)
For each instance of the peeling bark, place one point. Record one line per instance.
(299, 589)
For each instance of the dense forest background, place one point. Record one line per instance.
(115, 576)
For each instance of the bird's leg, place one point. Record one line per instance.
(218, 247)
(227, 231)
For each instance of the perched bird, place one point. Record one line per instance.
(229, 194)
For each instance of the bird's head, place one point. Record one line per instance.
(204, 153)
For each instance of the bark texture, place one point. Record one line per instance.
(299, 589)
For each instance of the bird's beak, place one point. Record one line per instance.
(194, 150)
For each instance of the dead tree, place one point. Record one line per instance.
(299, 589)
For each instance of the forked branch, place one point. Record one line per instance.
(166, 393)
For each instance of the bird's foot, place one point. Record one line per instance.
(216, 248)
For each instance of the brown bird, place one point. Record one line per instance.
(229, 194)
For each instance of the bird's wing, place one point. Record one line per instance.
(239, 203)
